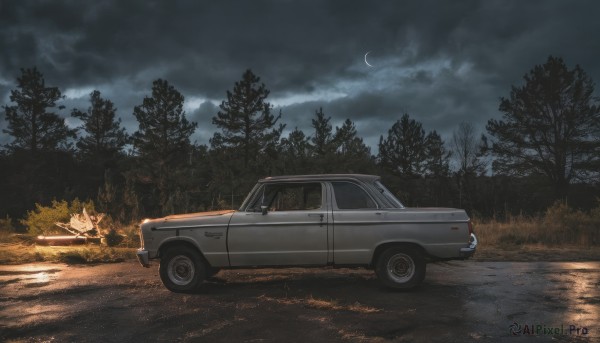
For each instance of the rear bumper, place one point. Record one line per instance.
(470, 250)
(143, 257)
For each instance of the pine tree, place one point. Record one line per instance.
(437, 169)
(295, 153)
(438, 157)
(105, 137)
(403, 151)
(30, 123)
(322, 143)
(323, 136)
(246, 123)
(163, 138)
(352, 155)
(550, 126)
(40, 164)
(246, 147)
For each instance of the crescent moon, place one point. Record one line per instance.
(366, 59)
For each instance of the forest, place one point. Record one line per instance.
(544, 149)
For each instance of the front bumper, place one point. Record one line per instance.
(143, 258)
(470, 250)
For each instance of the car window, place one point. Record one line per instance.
(350, 196)
(290, 197)
(391, 199)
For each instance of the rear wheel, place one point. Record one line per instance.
(401, 267)
(182, 269)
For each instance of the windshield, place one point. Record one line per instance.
(388, 195)
(249, 197)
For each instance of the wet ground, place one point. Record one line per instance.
(459, 301)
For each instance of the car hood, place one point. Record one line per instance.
(197, 214)
(190, 219)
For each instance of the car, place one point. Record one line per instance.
(338, 220)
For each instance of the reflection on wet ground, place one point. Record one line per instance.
(29, 275)
(536, 299)
(459, 301)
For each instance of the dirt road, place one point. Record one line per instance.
(459, 301)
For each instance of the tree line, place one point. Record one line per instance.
(545, 147)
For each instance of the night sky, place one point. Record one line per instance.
(443, 62)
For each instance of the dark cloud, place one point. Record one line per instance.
(440, 61)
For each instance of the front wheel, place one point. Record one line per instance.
(401, 267)
(182, 269)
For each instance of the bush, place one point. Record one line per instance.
(6, 225)
(558, 225)
(132, 236)
(41, 221)
(113, 238)
(563, 224)
(594, 230)
(6, 229)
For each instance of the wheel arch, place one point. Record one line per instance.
(383, 246)
(168, 244)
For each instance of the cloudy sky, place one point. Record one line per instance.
(443, 62)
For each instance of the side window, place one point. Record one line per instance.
(350, 196)
(290, 197)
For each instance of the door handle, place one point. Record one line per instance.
(320, 215)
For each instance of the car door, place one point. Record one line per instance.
(356, 223)
(292, 231)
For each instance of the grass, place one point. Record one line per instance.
(20, 248)
(559, 234)
(559, 226)
(17, 253)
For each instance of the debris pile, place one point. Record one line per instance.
(84, 228)
(83, 224)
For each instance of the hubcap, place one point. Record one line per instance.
(401, 268)
(181, 270)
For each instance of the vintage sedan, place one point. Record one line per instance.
(310, 221)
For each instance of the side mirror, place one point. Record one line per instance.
(263, 209)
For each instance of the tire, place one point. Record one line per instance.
(401, 267)
(182, 269)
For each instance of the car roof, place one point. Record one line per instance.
(321, 177)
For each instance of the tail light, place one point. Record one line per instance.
(470, 228)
